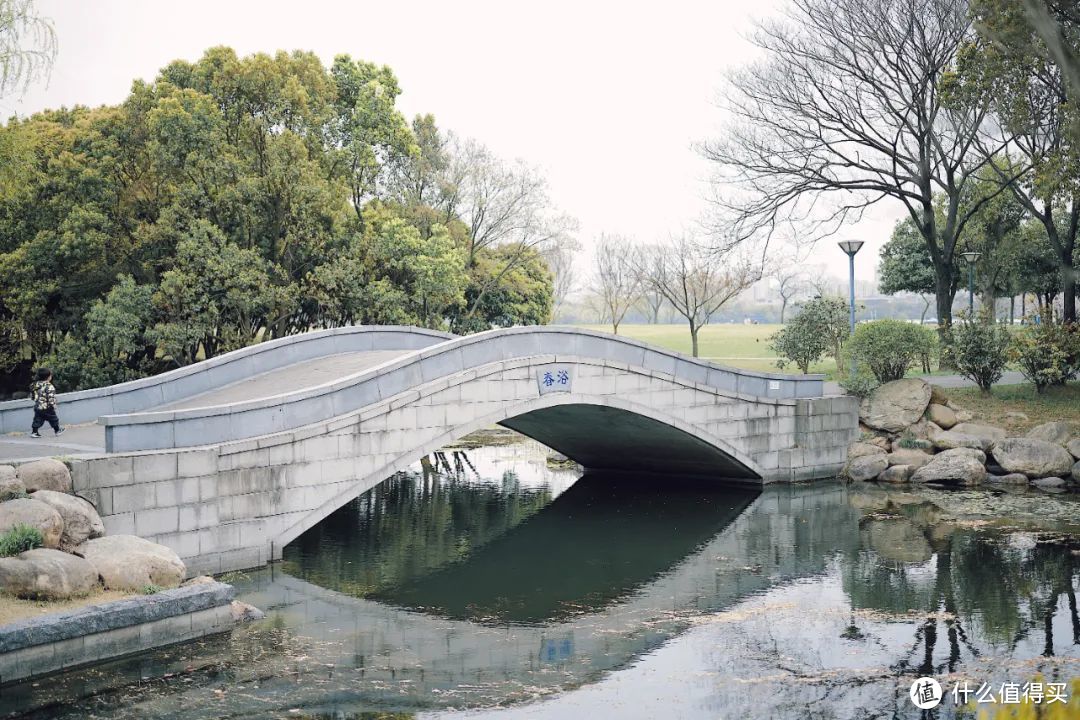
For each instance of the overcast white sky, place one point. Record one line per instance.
(607, 97)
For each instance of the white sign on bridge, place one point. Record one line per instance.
(555, 378)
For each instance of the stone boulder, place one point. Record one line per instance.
(47, 474)
(1034, 458)
(126, 562)
(894, 406)
(1076, 471)
(1048, 482)
(866, 467)
(10, 485)
(1055, 432)
(1073, 446)
(904, 456)
(81, 520)
(952, 466)
(972, 452)
(198, 580)
(949, 440)
(46, 575)
(243, 612)
(938, 395)
(25, 511)
(861, 449)
(896, 474)
(989, 433)
(1010, 479)
(941, 416)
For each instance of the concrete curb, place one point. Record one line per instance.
(41, 645)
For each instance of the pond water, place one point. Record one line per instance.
(488, 584)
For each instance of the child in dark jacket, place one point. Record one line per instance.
(43, 394)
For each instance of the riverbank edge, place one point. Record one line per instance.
(42, 645)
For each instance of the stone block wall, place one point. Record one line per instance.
(235, 505)
(61, 641)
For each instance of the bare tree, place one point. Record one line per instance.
(697, 282)
(618, 283)
(846, 110)
(504, 205)
(651, 303)
(27, 45)
(791, 280)
(562, 257)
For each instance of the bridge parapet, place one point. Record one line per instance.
(291, 410)
(88, 405)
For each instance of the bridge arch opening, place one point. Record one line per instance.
(602, 437)
(608, 434)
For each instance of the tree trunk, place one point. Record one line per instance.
(693, 338)
(783, 309)
(926, 306)
(1012, 309)
(1068, 288)
(1023, 307)
(944, 296)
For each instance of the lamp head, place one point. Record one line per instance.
(850, 246)
(970, 256)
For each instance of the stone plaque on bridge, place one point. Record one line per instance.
(555, 378)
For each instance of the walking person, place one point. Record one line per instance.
(43, 394)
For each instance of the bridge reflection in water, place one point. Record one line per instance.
(599, 541)
(607, 571)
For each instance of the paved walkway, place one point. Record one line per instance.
(91, 436)
(945, 381)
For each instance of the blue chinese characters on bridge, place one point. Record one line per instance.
(555, 378)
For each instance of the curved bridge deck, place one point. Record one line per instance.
(228, 484)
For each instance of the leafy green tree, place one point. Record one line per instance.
(828, 317)
(800, 341)
(249, 198)
(369, 134)
(116, 326)
(980, 349)
(504, 292)
(217, 297)
(890, 347)
(1013, 65)
(906, 265)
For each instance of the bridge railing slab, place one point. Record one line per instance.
(138, 395)
(290, 410)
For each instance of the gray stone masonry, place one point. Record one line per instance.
(163, 429)
(41, 645)
(235, 504)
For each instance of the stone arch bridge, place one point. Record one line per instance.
(229, 477)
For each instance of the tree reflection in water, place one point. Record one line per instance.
(915, 561)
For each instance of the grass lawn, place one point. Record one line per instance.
(1058, 403)
(743, 346)
(13, 608)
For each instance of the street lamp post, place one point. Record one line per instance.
(851, 247)
(971, 256)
